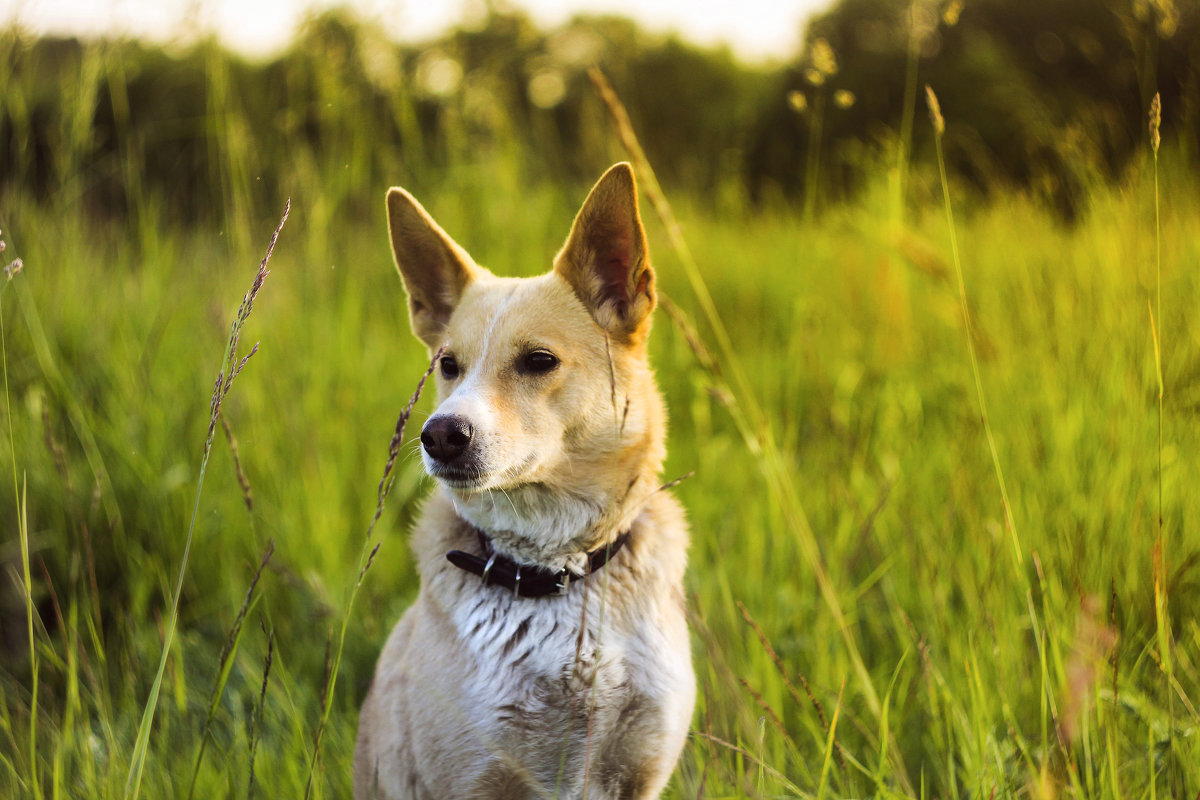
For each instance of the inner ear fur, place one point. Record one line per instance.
(433, 267)
(605, 258)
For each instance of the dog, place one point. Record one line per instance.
(547, 652)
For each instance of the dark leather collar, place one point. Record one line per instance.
(529, 581)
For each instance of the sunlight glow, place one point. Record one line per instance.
(756, 30)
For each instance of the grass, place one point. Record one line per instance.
(860, 624)
(231, 367)
(22, 512)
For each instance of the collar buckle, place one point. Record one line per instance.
(487, 568)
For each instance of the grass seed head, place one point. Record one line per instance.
(935, 111)
(1155, 122)
(823, 58)
(951, 14)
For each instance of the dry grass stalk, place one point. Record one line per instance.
(1162, 614)
(753, 759)
(386, 480)
(231, 368)
(224, 663)
(256, 718)
(690, 335)
(935, 111)
(673, 483)
(243, 482)
(238, 621)
(775, 659)
(762, 638)
(330, 677)
(765, 706)
(1155, 122)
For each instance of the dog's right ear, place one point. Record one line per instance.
(434, 268)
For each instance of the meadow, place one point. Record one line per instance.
(891, 593)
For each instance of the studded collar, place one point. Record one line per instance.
(526, 580)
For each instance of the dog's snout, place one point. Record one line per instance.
(446, 438)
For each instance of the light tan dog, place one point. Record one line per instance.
(547, 650)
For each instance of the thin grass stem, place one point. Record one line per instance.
(812, 170)
(225, 666)
(231, 368)
(1161, 602)
(19, 499)
(256, 719)
(939, 127)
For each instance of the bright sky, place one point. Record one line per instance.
(756, 29)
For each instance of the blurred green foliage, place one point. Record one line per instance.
(1048, 96)
(206, 125)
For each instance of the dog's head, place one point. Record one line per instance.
(548, 422)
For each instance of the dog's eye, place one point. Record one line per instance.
(449, 367)
(537, 362)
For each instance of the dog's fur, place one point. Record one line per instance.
(482, 694)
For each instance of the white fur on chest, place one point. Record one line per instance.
(520, 643)
(562, 681)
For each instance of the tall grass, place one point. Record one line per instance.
(19, 501)
(231, 366)
(939, 128)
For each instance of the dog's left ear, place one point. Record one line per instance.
(605, 258)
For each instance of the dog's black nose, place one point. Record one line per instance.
(445, 438)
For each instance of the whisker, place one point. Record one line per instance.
(511, 504)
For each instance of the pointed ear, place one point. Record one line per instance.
(605, 258)
(434, 269)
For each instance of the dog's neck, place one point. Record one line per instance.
(540, 525)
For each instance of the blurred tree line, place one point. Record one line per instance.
(1044, 96)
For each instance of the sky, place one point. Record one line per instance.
(757, 30)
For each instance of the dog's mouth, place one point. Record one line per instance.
(459, 477)
(473, 477)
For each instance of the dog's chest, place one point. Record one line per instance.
(541, 654)
(554, 681)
